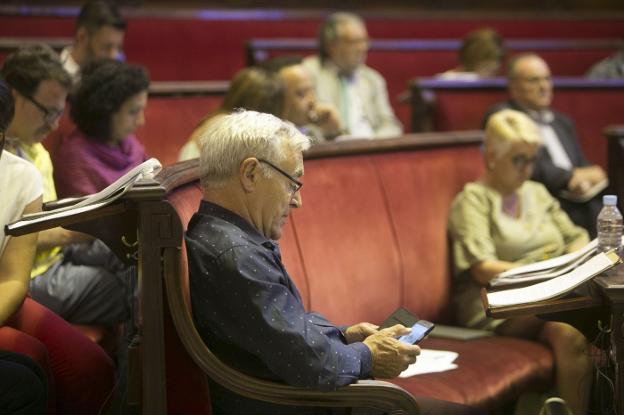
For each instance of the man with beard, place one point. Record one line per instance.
(100, 31)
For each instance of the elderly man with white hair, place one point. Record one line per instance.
(245, 305)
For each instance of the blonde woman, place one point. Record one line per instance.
(504, 220)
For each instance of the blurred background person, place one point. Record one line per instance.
(107, 108)
(505, 220)
(320, 122)
(480, 56)
(561, 164)
(253, 89)
(611, 67)
(341, 78)
(99, 34)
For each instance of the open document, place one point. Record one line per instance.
(546, 269)
(431, 361)
(102, 198)
(557, 286)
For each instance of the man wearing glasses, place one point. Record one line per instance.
(246, 307)
(341, 78)
(561, 165)
(61, 278)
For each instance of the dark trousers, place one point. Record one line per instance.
(88, 286)
(23, 385)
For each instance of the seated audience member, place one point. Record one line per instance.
(100, 31)
(74, 276)
(342, 79)
(253, 89)
(23, 385)
(480, 56)
(561, 165)
(611, 67)
(320, 122)
(81, 374)
(245, 305)
(107, 107)
(505, 220)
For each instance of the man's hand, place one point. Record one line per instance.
(359, 332)
(583, 178)
(327, 119)
(390, 356)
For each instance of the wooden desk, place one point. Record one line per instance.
(602, 306)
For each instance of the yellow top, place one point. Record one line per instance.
(39, 156)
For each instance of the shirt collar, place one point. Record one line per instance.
(331, 66)
(208, 208)
(544, 116)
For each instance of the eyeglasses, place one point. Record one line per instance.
(49, 114)
(295, 186)
(521, 161)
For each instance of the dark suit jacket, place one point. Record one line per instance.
(555, 178)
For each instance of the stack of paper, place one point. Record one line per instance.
(555, 287)
(431, 361)
(544, 270)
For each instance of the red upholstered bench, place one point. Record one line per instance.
(371, 236)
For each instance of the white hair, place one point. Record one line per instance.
(227, 140)
(509, 126)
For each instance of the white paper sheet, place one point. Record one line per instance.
(431, 361)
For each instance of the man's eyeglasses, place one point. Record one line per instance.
(295, 186)
(49, 114)
(521, 161)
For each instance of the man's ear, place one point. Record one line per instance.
(249, 174)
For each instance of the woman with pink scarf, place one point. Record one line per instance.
(107, 108)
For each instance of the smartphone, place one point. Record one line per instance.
(420, 330)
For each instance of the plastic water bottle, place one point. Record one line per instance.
(609, 225)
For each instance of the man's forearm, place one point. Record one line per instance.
(54, 237)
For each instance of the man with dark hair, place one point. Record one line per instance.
(318, 121)
(342, 78)
(99, 34)
(560, 165)
(68, 275)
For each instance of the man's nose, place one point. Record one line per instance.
(296, 200)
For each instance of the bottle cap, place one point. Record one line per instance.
(609, 200)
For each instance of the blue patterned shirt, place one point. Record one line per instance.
(249, 312)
